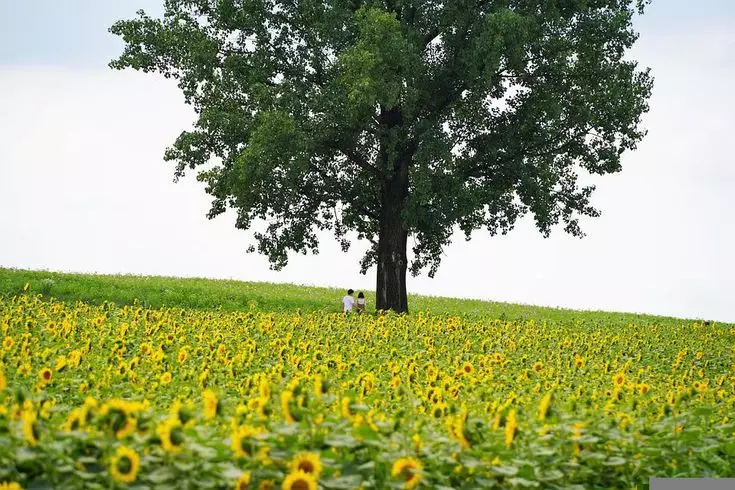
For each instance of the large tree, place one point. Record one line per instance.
(397, 118)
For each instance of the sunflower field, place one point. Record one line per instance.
(130, 397)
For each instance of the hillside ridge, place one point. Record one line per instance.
(231, 294)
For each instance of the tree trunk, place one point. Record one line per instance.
(392, 239)
(396, 153)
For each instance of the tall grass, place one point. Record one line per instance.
(196, 293)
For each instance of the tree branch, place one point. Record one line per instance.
(358, 160)
(474, 171)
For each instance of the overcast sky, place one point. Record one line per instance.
(83, 185)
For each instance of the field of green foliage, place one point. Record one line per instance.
(206, 384)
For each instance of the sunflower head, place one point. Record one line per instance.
(171, 435)
(544, 406)
(345, 408)
(126, 427)
(182, 410)
(124, 465)
(30, 427)
(242, 440)
(511, 427)
(76, 420)
(286, 398)
(8, 343)
(45, 374)
(299, 480)
(407, 469)
(243, 482)
(211, 403)
(308, 463)
(266, 485)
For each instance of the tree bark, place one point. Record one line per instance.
(396, 154)
(392, 240)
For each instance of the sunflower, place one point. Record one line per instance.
(345, 408)
(8, 343)
(468, 368)
(169, 431)
(10, 485)
(242, 444)
(543, 408)
(643, 388)
(76, 420)
(263, 407)
(127, 427)
(579, 362)
(409, 469)
(319, 386)
(456, 429)
(60, 364)
(3, 381)
(124, 465)
(183, 356)
(166, 378)
(182, 411)
(395, 382)
(619, 379)
(438, 410)
(538, 367)
(308, 463)
(243, 482)
(299, 481)
(286, 397)
(211, 404)
(511, 427)
(30, 427)
(75, 357)
(45, 374)
(266, 485)
(264, 388)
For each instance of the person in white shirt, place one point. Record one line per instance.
(348, 302)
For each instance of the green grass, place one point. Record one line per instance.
(156, 292)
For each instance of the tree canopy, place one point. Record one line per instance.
(397, 118)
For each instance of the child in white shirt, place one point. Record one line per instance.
(348, 301)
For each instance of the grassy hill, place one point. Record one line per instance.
(229, 295)
(211, 394)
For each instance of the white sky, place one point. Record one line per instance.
(83, 187)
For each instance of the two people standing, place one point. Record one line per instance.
(349, 302)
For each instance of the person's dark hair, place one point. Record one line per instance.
(360, 295)
(350, 291)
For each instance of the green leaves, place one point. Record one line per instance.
(374, 73)
(473, 114)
